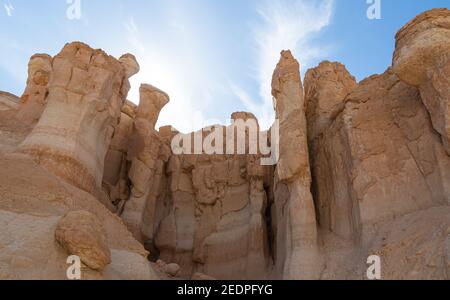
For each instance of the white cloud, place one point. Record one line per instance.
(184, 58)
(179, 71)
(9, 9)
(284, 24)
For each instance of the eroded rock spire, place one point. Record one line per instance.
(85, 94)
(297, 249)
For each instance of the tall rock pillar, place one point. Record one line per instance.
(147, 156)
(35, 95)
(297, 254)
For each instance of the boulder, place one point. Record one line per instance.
(81, 234)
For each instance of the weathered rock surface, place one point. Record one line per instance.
(82, 234)
(8, 101)
(363, 169)
(297, 253)
(201, 277)
(213, 218)
(147, 156)
(422, 59)
(35, 95)
(33, 199)
(325, 89)
(86, 91)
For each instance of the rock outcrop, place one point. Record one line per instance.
(82, 234)
(86, 91)
(35, 95)
(147, 156)
(297, 252)
(214, 217)
(325, 89)
(360, 169)
(8, 101)
(422, 59)
(41, 198)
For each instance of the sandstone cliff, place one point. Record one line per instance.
(363, 169)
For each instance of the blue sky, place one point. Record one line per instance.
(213, 57)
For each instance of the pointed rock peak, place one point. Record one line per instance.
(287, 69)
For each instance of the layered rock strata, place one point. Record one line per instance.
(86, 91)
(363, 169)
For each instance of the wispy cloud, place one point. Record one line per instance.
(8, 8)
(283, 24)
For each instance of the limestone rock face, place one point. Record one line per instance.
(362, 169)
(422, 59)
(147, 156)
(421, 44)
(415, 247)
(30, 211)
(8, 101)
(81, 234)
(38, 205)
(214, 215)
(325, 90)
(130, 64)
(115, 177)
(35, 96)
(297, 252)
(87, 89)
(380, 159)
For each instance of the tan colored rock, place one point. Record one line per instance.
(152, 101)
(415, 247)
(81, 234)
(422, 59)
(30, 209)
(326, 87)
(146, 155)
(297, 253)
(8, 101)
(115, 177)
(363, 170)
(421, 44)
(380, 159)
(214, 220)
(29, 214)
(130, 64)
(128, 265)
(172, 269)
(86, 92)
(201, 277)
(35, 95)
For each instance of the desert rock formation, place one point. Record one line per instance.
(296, 229)
(363, 169)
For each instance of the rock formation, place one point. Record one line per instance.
(86, 91)
(363, 169)
(8, 101)
(297, 251)
(35, 96)
(214, 218)
(43, 195)
(325, 89)
(422, 59)
(82, 234)
(147, 156)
